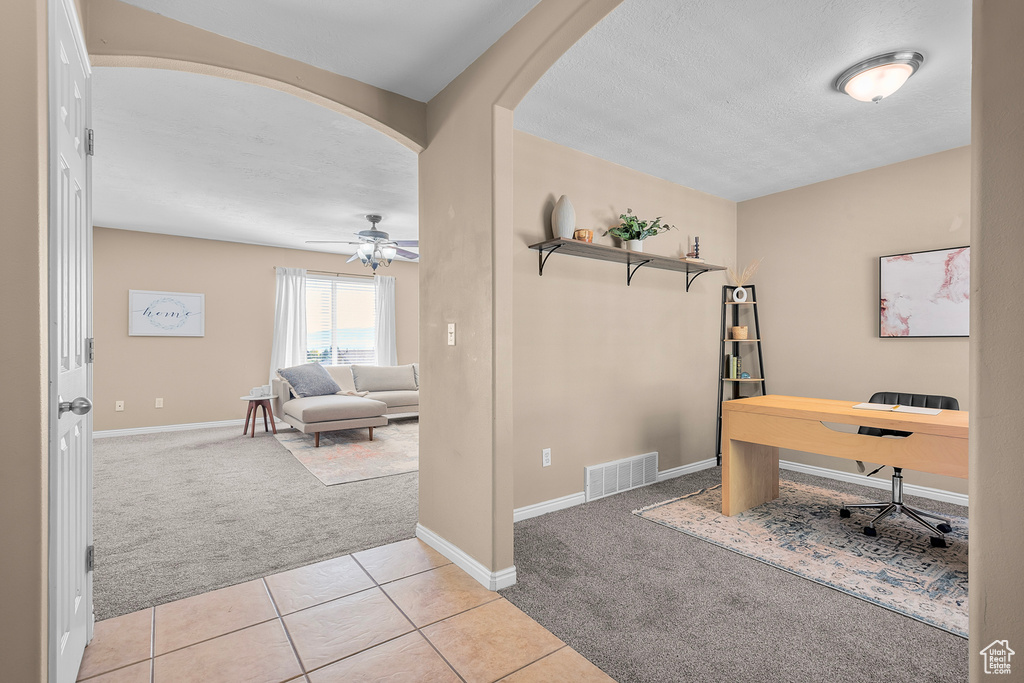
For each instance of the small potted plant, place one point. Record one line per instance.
(633, 231)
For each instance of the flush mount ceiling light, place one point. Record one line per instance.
(878, 77)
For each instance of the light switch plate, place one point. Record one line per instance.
(451, 334)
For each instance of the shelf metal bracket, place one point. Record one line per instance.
(542, 258)
(631, 273)
(691, 277)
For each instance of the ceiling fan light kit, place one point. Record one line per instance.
(376, 248)
(878, 77)
(373, 257)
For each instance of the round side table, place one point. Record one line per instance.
(255, 402)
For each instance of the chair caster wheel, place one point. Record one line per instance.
(944, 528)
(938, 542)
(844, 513)
(870, 531)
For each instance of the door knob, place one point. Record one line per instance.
(80, 406)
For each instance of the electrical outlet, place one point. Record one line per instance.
(546, 456)
(159, 403)
(118, 406)
(451, 334)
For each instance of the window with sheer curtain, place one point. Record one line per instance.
(341, 320)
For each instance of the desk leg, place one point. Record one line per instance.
(248, 414)
(750, 475)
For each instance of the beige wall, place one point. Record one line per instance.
(201, 378)
(818, 285)
(457, 395)
(24, 406)
(604, 371)
(997, 346)
(466, 238)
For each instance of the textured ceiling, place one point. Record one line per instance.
(411, 47)
(727, 97)
(735, 99)
(199, 156)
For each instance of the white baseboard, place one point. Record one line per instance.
(885, 483)
(687, 469)
(553, 505)
(492, 581)
(173, 428)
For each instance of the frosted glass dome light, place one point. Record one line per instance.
(878, 77)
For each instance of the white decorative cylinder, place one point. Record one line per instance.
(563, 218)
(635, 245)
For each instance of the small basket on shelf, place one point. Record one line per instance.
(739, 332)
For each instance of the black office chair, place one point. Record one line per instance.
(896, 505)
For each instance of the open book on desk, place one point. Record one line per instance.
(896, 408)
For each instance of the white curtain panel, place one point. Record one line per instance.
(387, 349)
(289, 320)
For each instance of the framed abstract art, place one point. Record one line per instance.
(925, 293)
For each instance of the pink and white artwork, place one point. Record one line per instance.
(926, 294)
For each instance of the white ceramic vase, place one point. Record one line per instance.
(563, 218)
(635, 245)
(739, 295)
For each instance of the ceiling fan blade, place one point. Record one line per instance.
(331, 242)
(406, 243)
(354, 257)
(412, 256)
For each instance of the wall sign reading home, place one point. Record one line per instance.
(925, 294)
(165, 314)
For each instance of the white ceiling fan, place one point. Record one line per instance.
(375, 247)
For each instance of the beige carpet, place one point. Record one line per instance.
(648, 604)
(182, 513)
(348, 455)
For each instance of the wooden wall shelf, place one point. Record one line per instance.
(634, 260)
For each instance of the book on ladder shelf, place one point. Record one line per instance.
(739, 350)
(734, 365)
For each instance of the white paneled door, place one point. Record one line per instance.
(70, 282)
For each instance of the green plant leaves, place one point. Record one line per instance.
(632, 228)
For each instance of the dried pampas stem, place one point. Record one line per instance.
(743, 278)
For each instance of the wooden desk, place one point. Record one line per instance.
(754, 429)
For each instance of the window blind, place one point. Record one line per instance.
(341, 320)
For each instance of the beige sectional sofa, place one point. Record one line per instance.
(369, 396)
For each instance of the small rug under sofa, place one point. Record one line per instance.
(801, 532)
(348, 455)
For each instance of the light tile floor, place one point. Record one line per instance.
(401, 612)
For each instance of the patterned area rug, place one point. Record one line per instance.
(348, 455)
(802, 533)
